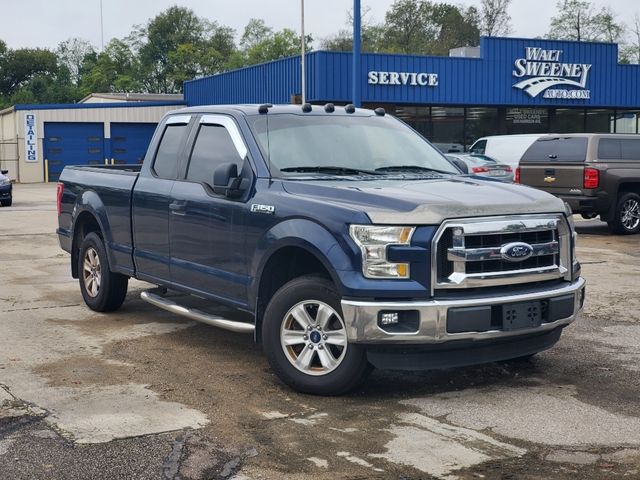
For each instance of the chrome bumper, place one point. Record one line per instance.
(361, 318)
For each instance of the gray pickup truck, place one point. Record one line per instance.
(596, 174)
(339, 236)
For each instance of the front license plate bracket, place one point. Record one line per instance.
(517, 316)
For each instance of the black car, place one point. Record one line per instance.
(5, 189)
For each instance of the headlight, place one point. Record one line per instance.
(373, 241)
(4, 182)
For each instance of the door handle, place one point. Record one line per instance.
(178, 208)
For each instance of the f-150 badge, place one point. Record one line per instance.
(266, 209)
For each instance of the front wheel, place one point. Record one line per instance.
(102, 289)
(627, 215)
(6, 203)
(305, 339)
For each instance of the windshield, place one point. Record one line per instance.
(338, 144)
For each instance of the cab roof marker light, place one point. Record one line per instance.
(306, 107)
(264, 108)
(329, 108)
(350, 108)
(381, 112)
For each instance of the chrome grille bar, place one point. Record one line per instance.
(495, 253)
(467, 253)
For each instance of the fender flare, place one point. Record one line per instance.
(304, 234)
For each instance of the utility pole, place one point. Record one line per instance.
(101, 28)
(303, 80)
(357, 64)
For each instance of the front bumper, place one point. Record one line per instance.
(361, 317)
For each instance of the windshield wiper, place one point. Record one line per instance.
(330, 170)
(410, 168)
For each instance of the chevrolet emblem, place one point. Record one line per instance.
(549, 179)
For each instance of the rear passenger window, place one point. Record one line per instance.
(630, 149)
(609, 149)
(213, 148)
(479, 147)
(560, 149)
(166, 162)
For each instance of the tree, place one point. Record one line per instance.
(18, 67)
(260, 44)
(579, 20)
(373, 36)
(494, 18)
(71, 54)
(630, 53)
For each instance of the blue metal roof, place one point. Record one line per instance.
(509, 72)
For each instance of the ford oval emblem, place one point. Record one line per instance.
(516, 251)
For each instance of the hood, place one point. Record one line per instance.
(428, 202)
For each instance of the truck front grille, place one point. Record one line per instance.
(474, 253)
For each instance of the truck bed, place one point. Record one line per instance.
(107, 189)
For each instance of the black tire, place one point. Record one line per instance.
(7, 203)
(352, 367)
(111, 288)
(621, 224)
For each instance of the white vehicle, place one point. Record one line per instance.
(507, 149)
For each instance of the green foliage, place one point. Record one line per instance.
(416, 27)
(579, 20)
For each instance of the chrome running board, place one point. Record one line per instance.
(152, 297)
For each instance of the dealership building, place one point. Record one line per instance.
(504, 86)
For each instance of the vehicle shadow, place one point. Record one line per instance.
(593, 227)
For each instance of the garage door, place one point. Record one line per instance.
(72, 144)
(129, 142)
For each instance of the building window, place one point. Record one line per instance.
(626, 121)
(480, 122)
(567, 120)
(417, 117)
(526, 120)
(448, 128)
(600, 121)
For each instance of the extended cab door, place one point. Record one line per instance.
(151, 197)
(205, 237)
(555, 164)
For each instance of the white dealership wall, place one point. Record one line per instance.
(12, 130)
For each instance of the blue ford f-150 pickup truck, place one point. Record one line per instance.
(342, 238)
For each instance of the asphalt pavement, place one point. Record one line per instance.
(141, 393)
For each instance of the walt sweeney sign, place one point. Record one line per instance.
(543, 70)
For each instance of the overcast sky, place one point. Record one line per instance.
(45, 23)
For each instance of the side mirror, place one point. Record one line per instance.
(463, 167)
(226, 180)
(4, 172)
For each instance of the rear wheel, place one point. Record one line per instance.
(102, 289)
(305, 339)
(626, 219)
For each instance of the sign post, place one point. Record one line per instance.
(357, 64)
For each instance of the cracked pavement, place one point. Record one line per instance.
(141, 393)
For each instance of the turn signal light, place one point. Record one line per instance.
(59, 192)
(517, 176)
(591, 178)
(507, 168)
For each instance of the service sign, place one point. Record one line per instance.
(30, 137)
(542, 70)
(416, 79)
